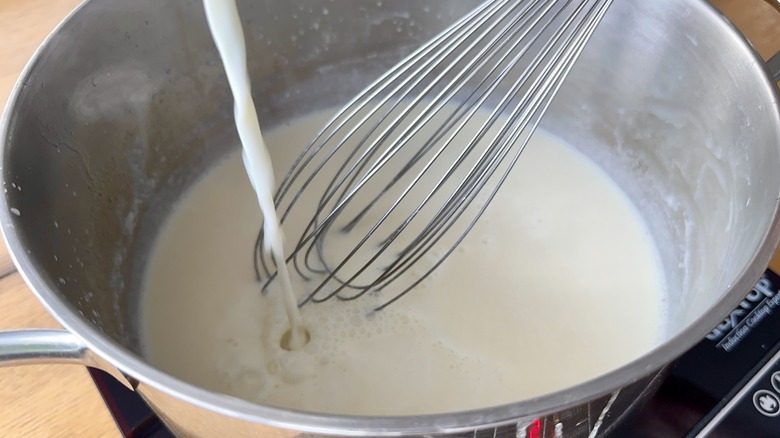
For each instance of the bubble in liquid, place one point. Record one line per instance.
(286, 341)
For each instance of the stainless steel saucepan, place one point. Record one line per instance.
(126, 104)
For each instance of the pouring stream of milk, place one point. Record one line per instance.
(228, 34)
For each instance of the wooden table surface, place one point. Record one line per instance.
(60, 400)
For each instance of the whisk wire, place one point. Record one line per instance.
(449, 204)
(461, 29)
(399, 143)
(428, 65)
(428, 112)
(439, 217)
(395, 158)
(550, 89)
(439, 102)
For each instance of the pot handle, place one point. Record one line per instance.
(28, 347)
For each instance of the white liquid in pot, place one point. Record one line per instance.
(558, 283)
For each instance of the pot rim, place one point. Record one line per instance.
(519, 412)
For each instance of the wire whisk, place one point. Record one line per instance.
(400, 175)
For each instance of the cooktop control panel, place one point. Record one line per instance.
(754, 411)
(728, 385)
